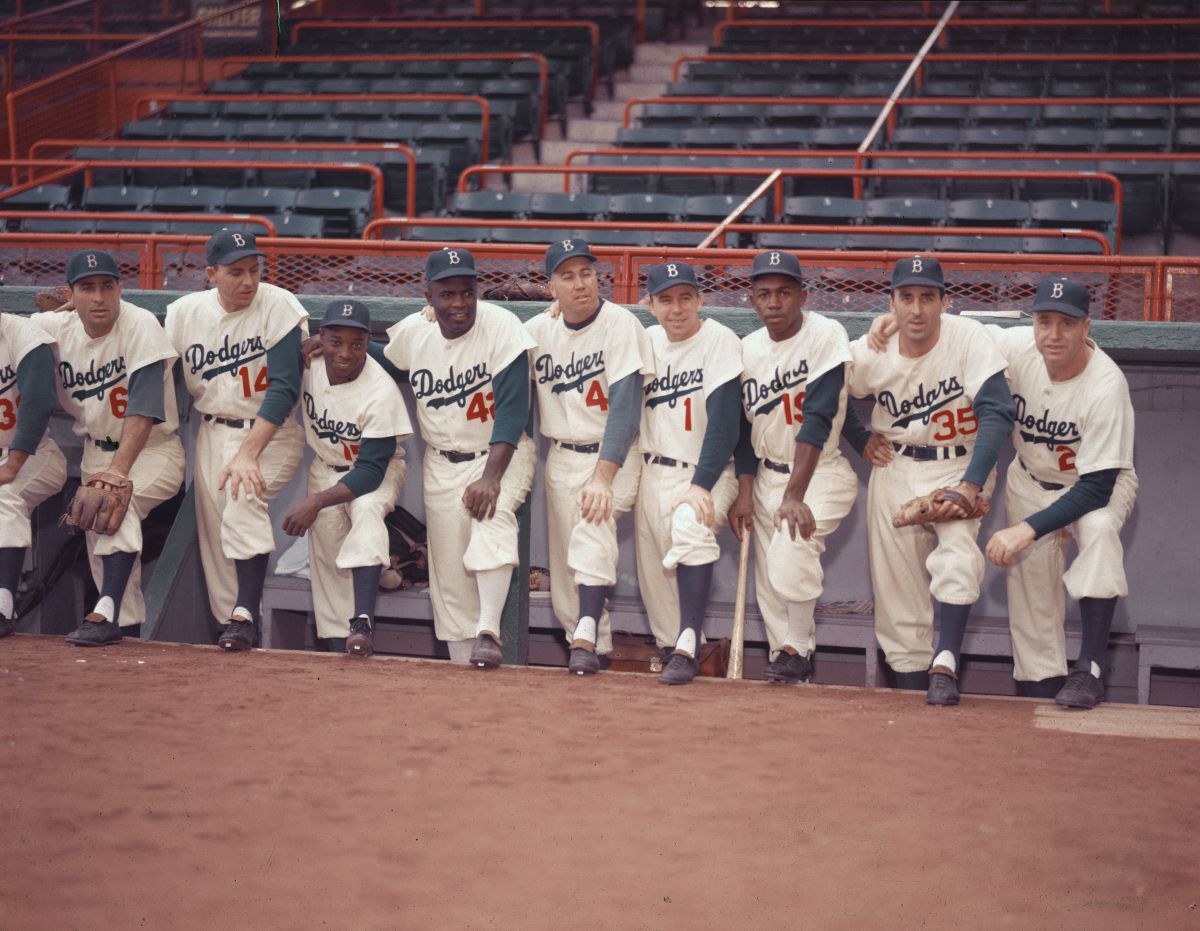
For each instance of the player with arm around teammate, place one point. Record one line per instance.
(239, 344)
(469, 372)
(115, 381)
(354, 417)
(942, 409)
(690, 425)
(588, 369)
(1072, 476)
(794, 485)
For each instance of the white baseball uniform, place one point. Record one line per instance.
(774, 379)
(674, 418)
(926, 401)
(572, 370)
(452, 383)
(224, 358)
(43, 473)
(337, 418)
(1063, 430)
(93, 388)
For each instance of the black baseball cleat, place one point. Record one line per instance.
(359, 643)
(681, 669)
(788, 667)
(95, 631)
(943, 687)
(584, 661)
(486, 652)
(7, 625)
(237, 636)
(1082, 690)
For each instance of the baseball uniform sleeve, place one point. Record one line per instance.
(510, 389)
(624, 415)
(284, 314)
(977, 353)
(1106, 434)
(858, 374)
(722, 362)
(146, 393)
(853, 430)
(994, 407)
(52, 322)
(283, 374)
(370, 466)
(724, 410)
(507, 339)
(820, 407)
(379, 354)
(830, 346)
(383, 411)
(1091, 492)
(627, 348)
(744, 460)
(35, 382)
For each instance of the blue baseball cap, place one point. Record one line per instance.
(669, 274)
(347, 313)
(777, 263)
(1063, 296)
(565, 249)
(91, 262)
(449, 263)
(229, 246)
(920, 270)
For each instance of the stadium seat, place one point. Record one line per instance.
(823, 242)
(829, 186)
(1064, 138)
(1076, 114)
(995, 138)
(682, 239)
(362, 110)
(837, 137)
(897, 243)
(261, 200)
(777, 137)
(158, 130)
(521, 236)
(1139, 114)
(1135, 139)
(1011, 114)
(94, 153)
(303, 110)
(51, 225)
(1067, 212)
(1060, 246)
(114, 197)
(618, 237)
(798, 115)
(711, 137)
(298, 224)
(649, 137)
(490, 204)
(1143, 193)
(194, 110)
(1007, 244)
(732, 115)
(248, 109)
(202, 173)
(671, 114)
(821, 210)
(128, 225)
(860, 115)
(716, 207)
(645, 207)
(184, 199)
(1044, 188)
(925, 137)
(449, 234)
(220, 130)
(345, 210)
(905, 211)
(934, 114)
(336, 131)
(988, 212)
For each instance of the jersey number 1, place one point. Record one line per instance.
(261, 383)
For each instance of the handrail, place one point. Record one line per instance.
(592, 28)
(542, 63)
(410, 156)
(261, 220)
(720, 228)
(902, 84)
(375, 226)
(485, 109)
(87, 166)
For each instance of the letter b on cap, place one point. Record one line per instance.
(774, 260)
(239, 240)
(917, 267)
(672, 271)
(1056, 291)
(347, 310)
(568, 246)
(453, 256)
(92, 261)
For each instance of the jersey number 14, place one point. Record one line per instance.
(261, 383)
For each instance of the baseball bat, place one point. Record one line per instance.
(738, 636)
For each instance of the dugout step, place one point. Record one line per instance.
(1166, 647)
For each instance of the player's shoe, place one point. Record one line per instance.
(943, 687)
(584, 660)
(681, 669)
(1082, 690)
(95, 631)
(7, 625)
(486, 652)
(788, 667)
(359, 643)
(238, 635)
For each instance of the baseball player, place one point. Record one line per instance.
(353, 417)
(239, 343)
(469, 372)
(794, 485)
(690, 425)
(942, 409)
(1072, 476)
(115, 381)
(32, 467)
(587, 371)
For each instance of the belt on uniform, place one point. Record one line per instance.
(929, 453)
(579, 447)
(109, 446)
(454, 456)
(777, 466)
(229, 421)
(341, 468)
(1049, 486)
(665, 461)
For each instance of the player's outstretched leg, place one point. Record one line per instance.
(1084, 687)
(584, 660)
(943, 674)
(492, 585)
(12, 559)
(794, 660)
(242, 631)
(693, 583)
(365, 580)
(102, 626)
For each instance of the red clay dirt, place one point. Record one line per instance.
(165, 786)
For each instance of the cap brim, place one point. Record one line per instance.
(352, 324)
(238, 256)
(795, 276)
(1059, 307)
(566, 256)
(454, 273)
(919, 281)
(92, 273)
(667, 286)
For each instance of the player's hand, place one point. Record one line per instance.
(480, 498)
(796, 515)
(302, 516)
(553, 311)
(700, 501)
(741, 513)
(1007, 544)
(879, 450)
(310, 349)
(8, 472)
(881, 331)
(429, 313)
(596, 500)
(951, 509)
(242, 474)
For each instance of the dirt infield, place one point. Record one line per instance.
(164, 786)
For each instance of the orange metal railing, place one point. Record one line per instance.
(153, 216)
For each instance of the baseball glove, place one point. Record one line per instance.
(926, 509)
(100, 503)
(52, 299)
(516, 288)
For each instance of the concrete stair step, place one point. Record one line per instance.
(640, 89)
(592, 131)
(651, 73)
(665, 53)
(608, 110)
(555, 153)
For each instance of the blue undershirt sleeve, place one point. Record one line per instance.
(853, 430)
(146, 393)
(283, 374)
(820, 407)
(744, 460)
(724, 409)
(995, 411)
(1091, 492)
(35, 384)
(624, 416)
(510, 391)
(374, 454)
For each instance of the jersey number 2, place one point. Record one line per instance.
(1066, 458)
(481, 407)
(261, 383)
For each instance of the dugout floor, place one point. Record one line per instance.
(167, 786)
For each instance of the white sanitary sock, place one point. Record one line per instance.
(493, 591)
(241, 614)
(6, 602)
(800, 625)
(586, 630)
(460, 650)
(106, 607)
(946, 658)
(687, 643)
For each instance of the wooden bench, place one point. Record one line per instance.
(1168, 647)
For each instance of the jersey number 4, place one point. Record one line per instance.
(595, 396)
(954, 423)
(481, 407)
(261, 383)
